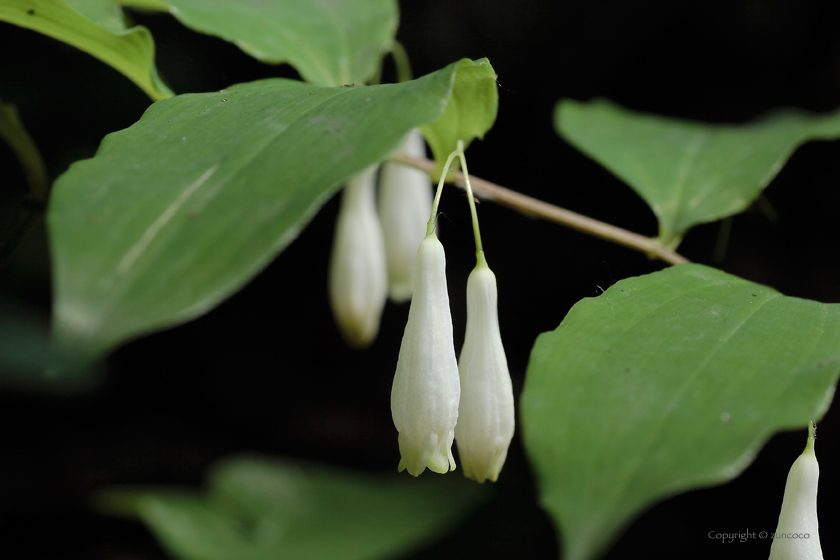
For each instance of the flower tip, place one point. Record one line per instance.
(357, 332)
(486, 468)
(432, 452)
(400, 292)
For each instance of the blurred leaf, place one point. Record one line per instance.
(329, 42)
(29, 361)
(106, 13)
(131, 52)
(180, 210)
(689, 172)
(261, 509)
(664, 383)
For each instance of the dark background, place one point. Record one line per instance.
(266, 371)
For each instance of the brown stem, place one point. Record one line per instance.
(537, 208)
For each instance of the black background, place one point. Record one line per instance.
(266, 371)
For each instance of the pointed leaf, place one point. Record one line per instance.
(180, 210)
(689, 172)
(260, 509)
(131, 52)
(667, 382)
(329, 42)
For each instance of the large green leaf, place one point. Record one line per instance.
(259, 509)
(178, 211)
(689, 172)
(329, 42)
(667, 382)
(131, 52)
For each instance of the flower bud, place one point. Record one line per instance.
(797, 536)
(486, 414)
(424, 397)
(357, 279)
(405, 202)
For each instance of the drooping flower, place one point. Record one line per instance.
(486, 414)
(426, 389)
(358, 283)
(797, 535)
(405, 202)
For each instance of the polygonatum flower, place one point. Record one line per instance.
(426, 390)
(405, 202)
(797, 535)
(358, 282)
(486, 414)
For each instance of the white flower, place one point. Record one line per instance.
(486, 414)
(797, 536)
(425, 394)
(405, 202)
(358, 280)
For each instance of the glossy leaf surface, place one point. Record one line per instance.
(667, 382)
(689, 172)
(180, 210)
(329, 42)
(131, 52)
(260, 509)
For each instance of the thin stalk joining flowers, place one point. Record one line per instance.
(479, 249)
(430, 228)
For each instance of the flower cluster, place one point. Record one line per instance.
(435, 399)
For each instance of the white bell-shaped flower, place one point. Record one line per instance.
(486, 414)
(358, 281)
(405, 202)
(797, 536)
(425, 394)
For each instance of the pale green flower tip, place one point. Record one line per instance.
(418, 454)
(357, 332)
(486, 466)
(400, 292)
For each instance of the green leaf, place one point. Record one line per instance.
(260, 509)
(667, 382)
(470, 112)
(131, 52)
(329, 42)
(689, 172)
(106, 13)
(180, 210)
